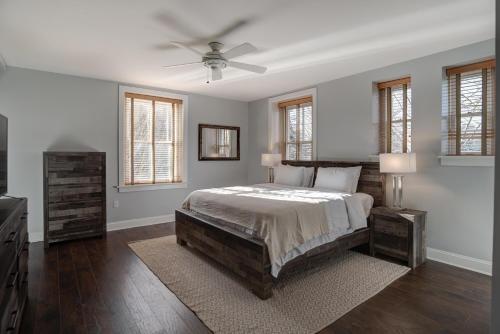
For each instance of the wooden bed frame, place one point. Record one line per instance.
(248, 257)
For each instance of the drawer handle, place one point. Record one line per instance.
(11, 238)
(14, 279)
(13, 321)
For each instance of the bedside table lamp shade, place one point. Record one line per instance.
(270, 160)
(398, 164)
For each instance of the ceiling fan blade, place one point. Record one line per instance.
(216, 73)
(164, 46)
(187, 47)
(229, 29)
(239, 50)
(248, 67)
(172, 22)
(184, 64)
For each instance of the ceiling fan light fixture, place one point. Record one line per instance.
(216, 73)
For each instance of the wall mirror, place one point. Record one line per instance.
(218, 142)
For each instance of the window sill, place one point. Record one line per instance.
(148, 187)
(467, 161)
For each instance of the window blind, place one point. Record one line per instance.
(469, 108)
(296, 129)
(395, 116)
(153, 140)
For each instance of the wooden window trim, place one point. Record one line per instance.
(389, 119)
(132, 135)
(153, 98)
(175, 105)
(392, 83)
(282, 106)
(304, 100)
(455, 73)
(385, 92)
(490, 63)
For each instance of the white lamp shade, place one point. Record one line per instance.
(398, 163)
(270, 159)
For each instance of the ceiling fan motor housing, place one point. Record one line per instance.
(214, 58)
(216, 46)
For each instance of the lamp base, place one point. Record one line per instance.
(397, 192)
(270, 175)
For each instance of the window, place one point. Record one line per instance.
(469, 109)
(296, 118)
(152, 139)
(395, 116)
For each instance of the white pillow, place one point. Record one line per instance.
(308, 177)
(289, 175)
(338, 178)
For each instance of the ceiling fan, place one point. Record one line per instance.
(215, 60)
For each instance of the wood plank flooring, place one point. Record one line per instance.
(100, 286)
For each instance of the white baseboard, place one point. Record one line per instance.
(138, 222)
(458, 260)
(120, 225)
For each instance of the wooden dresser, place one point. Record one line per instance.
(74, 195)
(399, 234)
(13, 263)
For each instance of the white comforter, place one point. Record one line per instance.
(290, 220)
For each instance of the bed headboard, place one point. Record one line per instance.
(371, 181)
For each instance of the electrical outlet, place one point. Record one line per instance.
(116, 203)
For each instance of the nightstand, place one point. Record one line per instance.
(399, 234)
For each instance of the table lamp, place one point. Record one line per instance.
(397, 164)
(270, 160)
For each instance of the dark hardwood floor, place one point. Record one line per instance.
(100, 286)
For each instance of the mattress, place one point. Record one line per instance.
(290, 220)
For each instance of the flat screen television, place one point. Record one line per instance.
(3, 155)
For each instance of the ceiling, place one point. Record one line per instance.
(301, 42)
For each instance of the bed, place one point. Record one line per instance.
(251, 230)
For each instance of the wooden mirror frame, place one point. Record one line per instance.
(213, 126)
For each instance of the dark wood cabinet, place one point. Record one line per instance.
(74, 195)
(13, 263)
(399, 234)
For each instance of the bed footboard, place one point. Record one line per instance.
(243, 255)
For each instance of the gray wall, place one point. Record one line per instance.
(53, 111)
(459, 200)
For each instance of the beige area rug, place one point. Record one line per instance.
(304, 302)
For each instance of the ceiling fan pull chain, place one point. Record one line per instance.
(208, 75)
